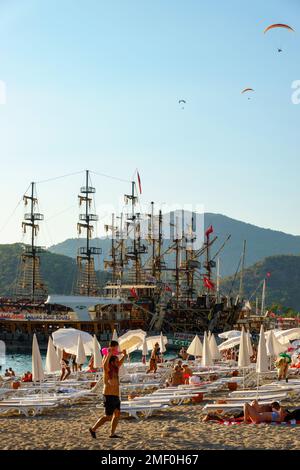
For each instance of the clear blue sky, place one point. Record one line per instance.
(95, 84)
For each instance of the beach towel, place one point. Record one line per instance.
(231, 421)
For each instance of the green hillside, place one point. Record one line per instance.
(58, 271)
(282, 286)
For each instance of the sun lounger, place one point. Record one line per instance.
(270, 397)
(146, 410)
(148, 399)
(29, 409)
(252, 393)
(231, 406)
(134, 408)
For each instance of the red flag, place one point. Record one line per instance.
(209, 231)
(133, 292)
(208, 284)
(139, 181)
(168, 288)
(268, 274)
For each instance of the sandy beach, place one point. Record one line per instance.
(178, 427)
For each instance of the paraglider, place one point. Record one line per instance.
(183, 102)
(278, 25)
(247, 90)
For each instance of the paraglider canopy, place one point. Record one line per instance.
(278, 25)
(247, 89)
(182, 101)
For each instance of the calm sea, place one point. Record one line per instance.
(21, 363)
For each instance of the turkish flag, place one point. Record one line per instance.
(208, 284)
(209, 231)
(133, 292)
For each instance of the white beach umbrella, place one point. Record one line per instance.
(262, 357)
(206, 360)
(132, 340)
(67, 339)
(97, 353)
(244, 358)
(230, 334)
(114, 336)
(288, 335)
(80, 354)
(37, 365)
(229, 343)
(249, 345)
(274, 347)
(59, 353)
(214, 350)
(52, 361)
(162, 344)
(144, 347)
(2, 353)
(195, 348)
(144, 351)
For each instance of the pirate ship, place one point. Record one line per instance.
(158, 282)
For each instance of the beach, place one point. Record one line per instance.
(177, 428)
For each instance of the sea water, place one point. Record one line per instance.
(21, 363)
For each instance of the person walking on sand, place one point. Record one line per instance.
(154, 359)
(111, 393)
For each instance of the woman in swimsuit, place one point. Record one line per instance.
(154, 359)
(256, 414)
(65, 369)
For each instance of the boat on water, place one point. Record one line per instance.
(157, 284)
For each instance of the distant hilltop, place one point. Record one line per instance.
(282, 274)
(261, 243)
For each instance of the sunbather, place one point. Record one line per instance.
(183, 354)
(74, 364)
(187, 373)
(176, 377)
(254, 413)
(65, 368)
